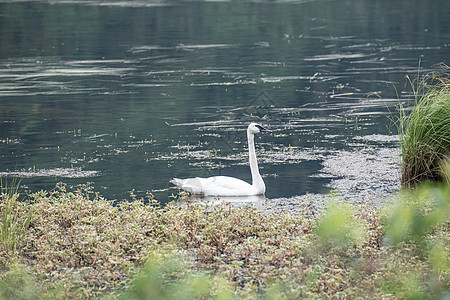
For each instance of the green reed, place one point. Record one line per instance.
(13, 221)
(425, 132)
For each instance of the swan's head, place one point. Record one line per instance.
(255, 128)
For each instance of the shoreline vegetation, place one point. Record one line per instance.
(74, 244)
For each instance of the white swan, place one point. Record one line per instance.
(229, 186)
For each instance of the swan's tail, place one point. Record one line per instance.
(192, 185)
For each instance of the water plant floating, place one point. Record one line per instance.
(225, 185)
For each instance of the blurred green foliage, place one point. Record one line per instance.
(417, 212)
(166, 277)
(339, 227)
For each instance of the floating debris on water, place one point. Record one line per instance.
(361, 174)
(57, 172)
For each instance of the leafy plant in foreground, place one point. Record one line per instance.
(339, 227)
(417, 224)
(166, 277)
(417, 213)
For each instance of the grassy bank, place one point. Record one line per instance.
(74, 244)
(425, 132)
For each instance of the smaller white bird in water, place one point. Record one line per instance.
(225, 185)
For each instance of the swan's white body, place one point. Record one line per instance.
(229, 186)
(218, 186)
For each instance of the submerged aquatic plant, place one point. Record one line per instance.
(425, 132)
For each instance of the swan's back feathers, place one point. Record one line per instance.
(217, 186)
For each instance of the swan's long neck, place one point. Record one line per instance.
(257, 180)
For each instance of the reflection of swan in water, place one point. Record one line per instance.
(229, 186)
(239, 201)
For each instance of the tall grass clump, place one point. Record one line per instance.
(425, 132)
(14, 220)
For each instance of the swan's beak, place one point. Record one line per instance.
(263, 129)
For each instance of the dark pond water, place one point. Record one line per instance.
(128, 94)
